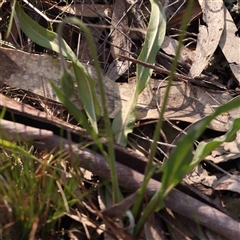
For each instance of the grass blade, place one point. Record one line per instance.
(110, 157)
(153, 42)
(149, 167)
(204, 148)
(78, 115)
(180, 162)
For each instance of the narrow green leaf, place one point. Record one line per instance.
(40, 35)
(15, 148)
(78, 115)
(153, 42)
(110, 157)
(204, 148)
(3, 112)
(11, 18)
(125, 119)
(180, 160)
(49, 39)
(157, 201)
(67, 83)
(86, 89)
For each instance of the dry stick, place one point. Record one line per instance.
(15, 131)
(177, 76)
(157, 69)
(176, 200)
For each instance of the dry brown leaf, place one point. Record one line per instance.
(84, 51)
(153, 228)
(227, 151)
(231, 204)
(118, 210)
(186, 102)
(175, 225)
(117, 68)
(200, 180)
(177, 16)
(230, 183)
(121, 44)
(170, 45)
(209, 34)
(230, 45)
(173, 7)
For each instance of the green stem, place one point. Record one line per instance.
(110, 157)
(159, 198)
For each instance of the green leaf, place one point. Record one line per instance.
(11, 19)
(15, 148)
(86, 89)
(49, 39)
(204, 148)
(181, 162)
(157, 202)
(110, 157)
(78, 115)
(125, 119)
(67, 83)
(40, 35)
(152, 44)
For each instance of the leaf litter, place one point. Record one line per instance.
(212, 29)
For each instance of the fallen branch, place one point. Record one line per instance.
(94, 162)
